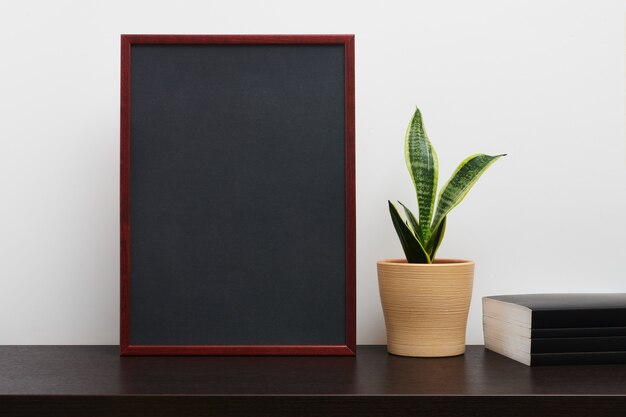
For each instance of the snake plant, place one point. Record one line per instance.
(421, 236)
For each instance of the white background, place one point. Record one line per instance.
(540, 80)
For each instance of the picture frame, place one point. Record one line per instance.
(192, 108)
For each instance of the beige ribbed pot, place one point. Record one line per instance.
(425, 305)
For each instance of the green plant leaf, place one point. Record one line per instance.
(435, 240)
(421, 160)
(413, 249)
(413, 222)
(459, 184)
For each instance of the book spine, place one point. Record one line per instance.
(550, 319)
(578, 332)
(578, 358)
(579, 344)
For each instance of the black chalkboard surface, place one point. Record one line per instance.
(237, 195)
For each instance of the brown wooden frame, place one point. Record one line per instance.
(125, 258)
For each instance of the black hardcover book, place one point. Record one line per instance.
(554, 329)
(578, 358)
(558, 351)
(578, 344)
(577, 332)
(550, 311)
(516, 329)
(523, 348)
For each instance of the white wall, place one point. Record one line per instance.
(541, 80)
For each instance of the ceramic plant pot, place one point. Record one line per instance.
(425, 306)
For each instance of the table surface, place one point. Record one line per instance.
(99, 370)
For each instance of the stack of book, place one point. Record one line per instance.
(557, 329)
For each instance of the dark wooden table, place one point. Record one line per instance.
(94, 381)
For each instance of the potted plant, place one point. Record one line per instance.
(426, 300)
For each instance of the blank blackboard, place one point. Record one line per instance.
(237, 195)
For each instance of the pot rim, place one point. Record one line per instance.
(439, 263)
